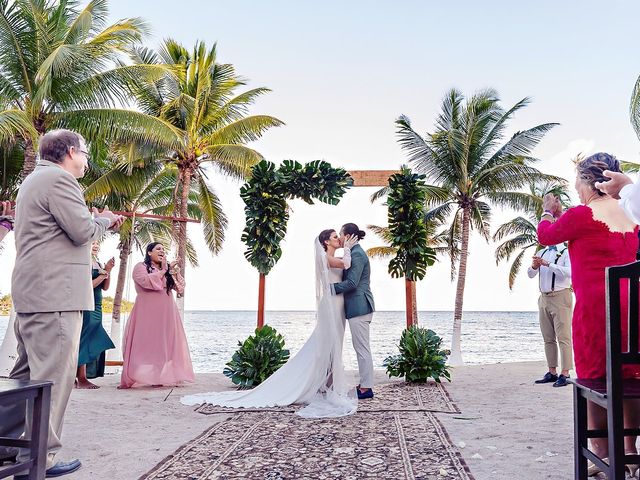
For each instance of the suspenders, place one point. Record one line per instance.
(553, 274)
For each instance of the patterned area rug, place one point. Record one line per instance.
(278, 445)
(389, 397)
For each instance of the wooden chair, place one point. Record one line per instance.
(38, 396)
(609, 393)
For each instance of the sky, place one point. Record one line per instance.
(342, 72)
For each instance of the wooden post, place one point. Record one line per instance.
(261, 301)
(411, 304)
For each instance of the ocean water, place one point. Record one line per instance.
(487, 337)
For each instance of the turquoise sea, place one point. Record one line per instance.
(487, 337)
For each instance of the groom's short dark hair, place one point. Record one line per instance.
(353, 229)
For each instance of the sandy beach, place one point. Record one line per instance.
(510, 428)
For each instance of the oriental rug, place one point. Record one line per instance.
(280, 446)
(389, 397)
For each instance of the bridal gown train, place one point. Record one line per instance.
(315, 375)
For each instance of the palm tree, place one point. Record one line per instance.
(522, 230)
(62, 67)
(473, 173)
(202, 103)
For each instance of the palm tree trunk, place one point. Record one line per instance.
(456, 352)
(116, 327)
(182, 226)
(29, 158)
(185, 186)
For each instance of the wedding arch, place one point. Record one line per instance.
(266, 194)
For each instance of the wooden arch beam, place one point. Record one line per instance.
(371, 178)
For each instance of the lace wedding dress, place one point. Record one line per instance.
(315, 375)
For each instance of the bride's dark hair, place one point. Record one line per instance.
(352, 229)
(324, 237)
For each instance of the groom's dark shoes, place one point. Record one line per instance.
(548, 378)
(59, 469)
(364, 394)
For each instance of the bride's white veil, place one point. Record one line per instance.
(315, 375)
(334, 397)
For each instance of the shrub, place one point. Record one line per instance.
(258, 357)
(420, 357)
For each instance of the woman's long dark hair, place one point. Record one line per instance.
(171, 283)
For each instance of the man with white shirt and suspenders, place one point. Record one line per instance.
(555, 307)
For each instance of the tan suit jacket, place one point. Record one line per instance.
(53, 232)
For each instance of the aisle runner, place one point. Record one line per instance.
(390, 397)
(277, 445)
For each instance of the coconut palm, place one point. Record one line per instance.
(201, 101)
(473, 172)
(62, 66)
(522, 230)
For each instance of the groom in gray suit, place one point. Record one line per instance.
(358, 307)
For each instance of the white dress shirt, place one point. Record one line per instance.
(630, 201)
(557, 276)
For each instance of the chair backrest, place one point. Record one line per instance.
(617, 356)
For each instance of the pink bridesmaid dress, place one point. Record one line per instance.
(155, 345)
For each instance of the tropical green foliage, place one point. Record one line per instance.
(257, 358)
(63, 66)
(630, 167)
(472, 172)
(519, 235)
(265, 196)
(407, 229)
(200, 100)
(421, 357)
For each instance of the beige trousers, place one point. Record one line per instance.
(48, 350)
(359, 327)
(555, 312)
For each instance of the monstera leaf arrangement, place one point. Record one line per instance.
(257, 358)
(421, 357)
(265, 196)
(407, 227)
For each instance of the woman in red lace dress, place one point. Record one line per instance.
(600, 235)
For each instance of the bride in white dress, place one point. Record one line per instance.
(315, 375)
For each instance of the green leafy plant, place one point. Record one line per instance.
(421, 357)
(407, 226)
(265, 196)
(257, 358)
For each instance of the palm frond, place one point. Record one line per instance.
(214, 221)
(234, 161)
(383, 253)
(121, 126)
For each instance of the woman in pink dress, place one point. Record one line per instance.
(600, 235)
(155, 345)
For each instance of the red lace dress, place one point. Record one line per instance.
(592, 248)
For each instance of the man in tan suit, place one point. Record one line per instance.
(51, 283)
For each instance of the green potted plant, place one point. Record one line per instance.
(421, 357)
(257, 358)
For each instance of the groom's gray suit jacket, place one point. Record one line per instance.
(358, 299)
